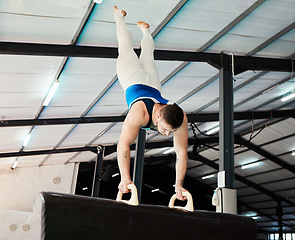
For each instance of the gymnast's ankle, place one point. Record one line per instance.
(143, 25)
(122, 12)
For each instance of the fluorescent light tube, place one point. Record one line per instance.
(250, 165)
(284, 99)
(213, 130)
(208, 176)
(14, 165)
(27, 139)
(51, 93)
(251, 214)
(115, 175)
(156, 190)
(271, 88)
(293, 153)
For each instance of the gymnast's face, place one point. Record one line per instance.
(164, 128)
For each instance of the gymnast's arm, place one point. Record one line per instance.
(134, 119)
(180, 140)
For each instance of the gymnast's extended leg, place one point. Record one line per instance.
(127, 62)
(147, 56)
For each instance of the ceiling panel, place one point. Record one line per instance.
(263, 166)
(12, 138)
(273, 175)
(261, 84)
(201, 170)
(287, 193)
(255, 198)
(55, 159)
(246, 158)
(281, 146)
(189, 78)
(212, 182)
(210, 154)
(266, 204)
(194, 20)
(80, 84)
(239, 184)
(82, 134)
(83, 157)
(24, 82)
(282, 47)
(5, 165)
(257, 27)
(193, 164)
(204, 96)
(41, 21)
(280, 185)
(112, 103)
(102, 20)
(110, 136)
(46, 137)
(247, 191)
(273, 132)
(288, 158)
(31, 161)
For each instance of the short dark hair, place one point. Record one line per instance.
(173, 115)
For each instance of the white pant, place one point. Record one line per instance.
(130, 69)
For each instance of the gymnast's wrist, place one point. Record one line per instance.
(179, 183)
(125, 179)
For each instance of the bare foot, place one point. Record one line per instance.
(143, 25)
(122, 11)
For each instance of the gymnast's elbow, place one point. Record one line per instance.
(123, 147)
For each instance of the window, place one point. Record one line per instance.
(286, 236)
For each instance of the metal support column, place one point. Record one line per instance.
(226, 134)
(225, 196)
(279, 212)
(97, 172)
(139, 162)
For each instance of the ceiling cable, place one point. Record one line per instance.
(232, 66)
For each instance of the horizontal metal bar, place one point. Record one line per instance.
(241, 62)
(16, 48)
(46, 152)
(248, 115)
(60, 121)
(108, 149)
(263, 64)
(197, 117)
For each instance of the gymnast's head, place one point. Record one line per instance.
(170, 120)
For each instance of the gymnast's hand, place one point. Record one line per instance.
(123, 185)
(179, 190)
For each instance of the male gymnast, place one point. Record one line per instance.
(147, 108)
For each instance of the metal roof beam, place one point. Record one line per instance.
(46, 152)
(108, 149)
(196, 117)
(241, 62)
